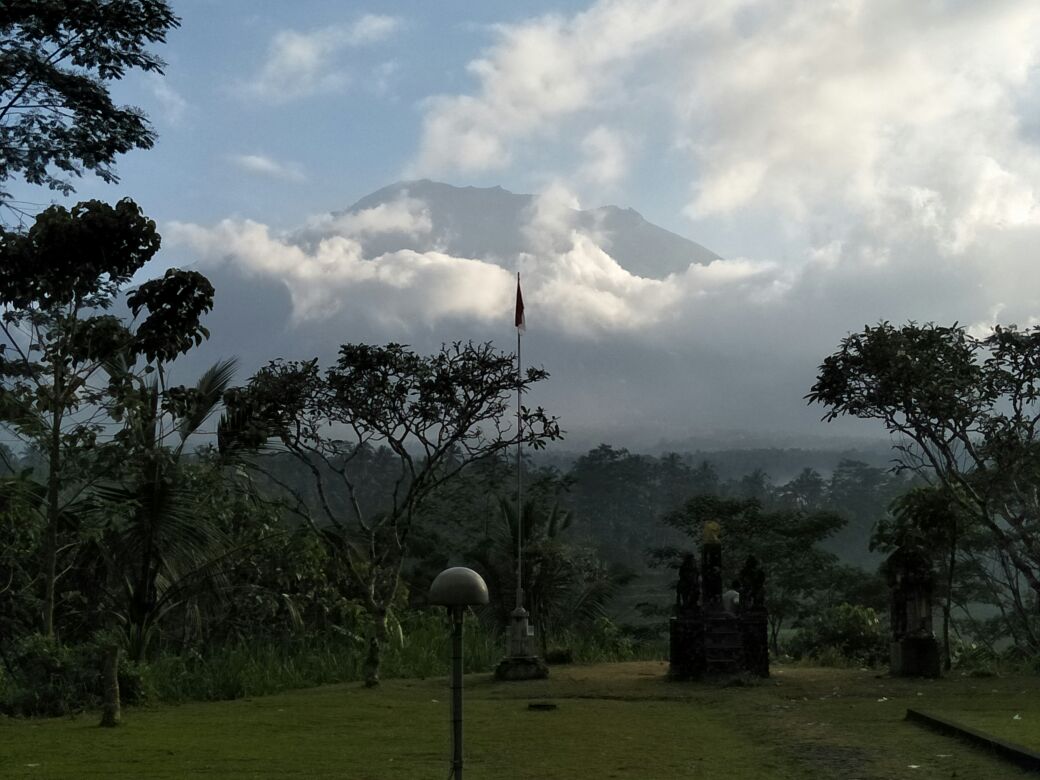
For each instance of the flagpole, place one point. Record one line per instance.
(519, 480)
(520, 663)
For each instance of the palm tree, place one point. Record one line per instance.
(564, 585)
(155, 551)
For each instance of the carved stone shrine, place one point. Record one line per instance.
(914, 650)
(718, 632)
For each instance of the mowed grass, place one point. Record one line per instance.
(612, 721)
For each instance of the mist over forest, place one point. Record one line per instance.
(664, 375)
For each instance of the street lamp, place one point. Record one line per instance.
(457, 588)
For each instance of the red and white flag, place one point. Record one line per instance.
(519, 323)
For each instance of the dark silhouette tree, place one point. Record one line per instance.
(436, 414)
(785, 542)
(56, 281)
(57, 58)
(966, 410)
(928, 518)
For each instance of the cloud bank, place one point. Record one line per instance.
(302, 64)
(889, 151)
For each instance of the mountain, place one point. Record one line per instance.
(490, 223)
(649, 341)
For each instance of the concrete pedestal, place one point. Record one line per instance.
(521, 663)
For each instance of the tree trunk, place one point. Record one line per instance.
(377, 640)
(110, 712)
(50, 538)
(774, 635)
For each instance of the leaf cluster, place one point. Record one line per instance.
(56, 59)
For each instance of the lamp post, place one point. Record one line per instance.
(457, 588)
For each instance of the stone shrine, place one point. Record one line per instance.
(707, 639)
(914, 650)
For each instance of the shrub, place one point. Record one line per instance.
(845, 634)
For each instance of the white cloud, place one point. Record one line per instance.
(383, 76)
(301, 64)
(172, 104)
(394, 288)
(406, 215)
(883, 119)
(265, 166)
(569, 277)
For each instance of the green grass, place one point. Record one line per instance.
(613, 720)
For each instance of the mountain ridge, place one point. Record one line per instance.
(490, 223)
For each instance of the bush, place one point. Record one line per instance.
(47, 678)
(843, 635)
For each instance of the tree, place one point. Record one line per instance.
(153, 545)
(566, 586)
(56, 281)
(966, 411)
(928, 518)
(436, 414)
(57, 58)
(784, 541)
(616, 489)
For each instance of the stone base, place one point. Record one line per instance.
(915, 657)
(716, 644)
(525, 667)
(686, 648)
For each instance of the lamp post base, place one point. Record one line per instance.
(521, 663)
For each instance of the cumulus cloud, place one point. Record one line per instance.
(406, 215)
(900, 118)
(887, 150)
(333, 276)
(301, 64)
(568, 274)
(266, 166)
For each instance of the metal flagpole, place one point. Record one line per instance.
(519, 479)
(521, 663)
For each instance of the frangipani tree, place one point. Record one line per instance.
(433, 414)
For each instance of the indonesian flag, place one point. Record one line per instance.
(519, 323)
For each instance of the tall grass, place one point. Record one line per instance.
(422, 649)
(257, 668)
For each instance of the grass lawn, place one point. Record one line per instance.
(613, 720)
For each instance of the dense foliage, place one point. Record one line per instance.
(57, 58)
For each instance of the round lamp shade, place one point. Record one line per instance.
(458, 587)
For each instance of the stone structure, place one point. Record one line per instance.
(914, 651)
(521, 663)
(706, 640)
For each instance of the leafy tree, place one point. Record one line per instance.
(154, 544)
(704, 481)
(806, 491)
(436, 414)
(56, 280)
(785, 541)
(616, 490)
(21, 499)
(57, 58)
(928, 518)
(967, 412)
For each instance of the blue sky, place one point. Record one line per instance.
(852, 161)
(327, 145)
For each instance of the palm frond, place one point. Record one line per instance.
(209, 391)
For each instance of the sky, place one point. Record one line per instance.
(852, 161)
